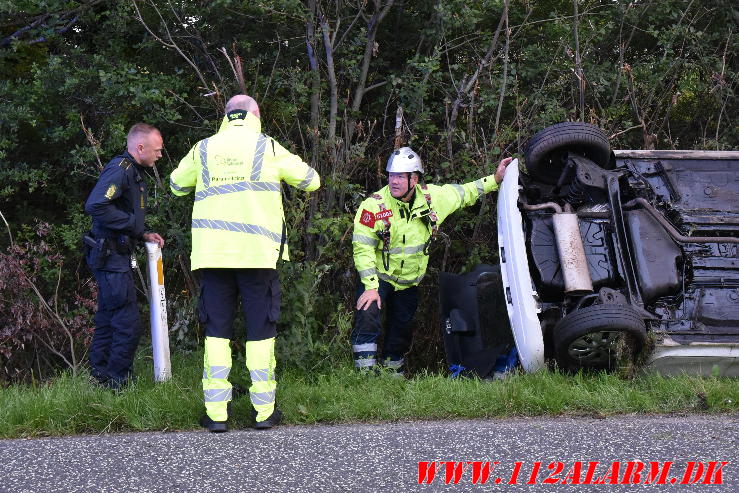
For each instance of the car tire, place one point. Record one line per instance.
(589, 337)
(544, 150)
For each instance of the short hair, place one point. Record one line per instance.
(140, 129)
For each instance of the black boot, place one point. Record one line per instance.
(273, 420)
(213, 426)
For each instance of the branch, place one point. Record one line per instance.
(274, 66)
(33, 22)
(238, 74)
(505, 66)
(578, 63)
(54, 315)
(375, 86)
(93, 142)
(466, 86)
(171, 43)
(8, 227)
(721, 82)
(623, 132)
(334, 98)
(369, 48)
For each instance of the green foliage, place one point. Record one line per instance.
(313, 330)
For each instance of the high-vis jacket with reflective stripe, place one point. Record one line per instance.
(237, 217)
(410, 228)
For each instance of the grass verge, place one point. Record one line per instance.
(74, 405)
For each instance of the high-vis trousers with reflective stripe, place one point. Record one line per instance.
(259, 290)
(216, 387)
(400, 307)
(260, 360)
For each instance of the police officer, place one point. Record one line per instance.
(117, 205)
(238, 233)
(392, 232)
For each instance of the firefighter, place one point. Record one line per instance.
(238, 234)
(393, 229)
(117, 205)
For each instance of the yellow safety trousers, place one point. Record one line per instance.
(217, 390)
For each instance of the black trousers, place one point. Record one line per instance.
(259, 291)
(117, 326)
(400, 307)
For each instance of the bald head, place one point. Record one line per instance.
(242, 102)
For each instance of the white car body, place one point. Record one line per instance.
(521, 299)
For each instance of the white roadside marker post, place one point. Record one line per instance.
(158, 314)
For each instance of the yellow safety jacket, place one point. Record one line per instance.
(237, 217)
(409, 226)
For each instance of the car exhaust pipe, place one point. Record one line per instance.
(572, 254)
(570, 248)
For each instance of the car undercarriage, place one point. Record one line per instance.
(626, 254)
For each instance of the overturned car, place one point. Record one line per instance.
(605, 256)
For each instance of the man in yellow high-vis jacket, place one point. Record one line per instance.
(238, 233)
(392, 231)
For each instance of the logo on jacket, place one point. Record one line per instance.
(367, 218)
(382, 215)
(111, 191)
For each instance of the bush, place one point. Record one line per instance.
(41, 331)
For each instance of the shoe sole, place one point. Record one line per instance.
(264, 426)
(214, 427)
(269, 422)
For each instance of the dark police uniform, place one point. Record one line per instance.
(117, 205)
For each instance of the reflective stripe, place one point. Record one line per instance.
(367, 272)
(217, 395)
(204, 162)
(259, 375)
(370, 346)
(364, 362)
(179, 188)
(480, 187)
(460, 191)
(366, 240)
(410, 249)
(256, 166)
(308, 179)
(414, 249)
(237, 227)
(260, 398)
(257, 186)
(394, 363)
(219, 371)
(403, 282)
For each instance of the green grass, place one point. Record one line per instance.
(73, 405)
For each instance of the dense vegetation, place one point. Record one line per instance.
(475, 79)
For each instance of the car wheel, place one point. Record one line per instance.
(590, 338)
(544, 150)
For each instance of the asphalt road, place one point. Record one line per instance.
(382, 457)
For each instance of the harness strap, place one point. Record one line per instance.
(384, 234)
(432, 214)
(433, 220)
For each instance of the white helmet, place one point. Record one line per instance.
(404, 160)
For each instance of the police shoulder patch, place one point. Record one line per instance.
(125, 163)
(110, 192)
